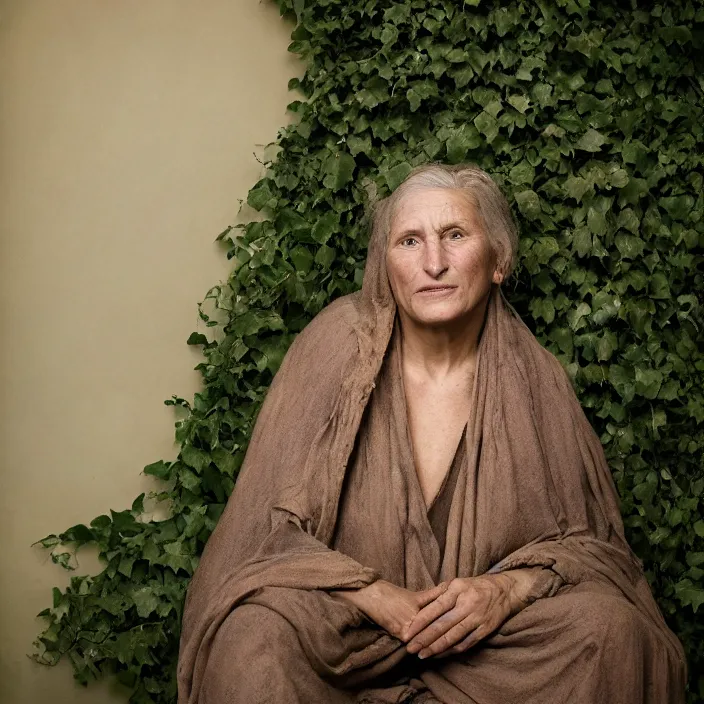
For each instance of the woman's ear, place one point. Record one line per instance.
(500, 265)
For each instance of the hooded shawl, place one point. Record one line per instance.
(323, 501)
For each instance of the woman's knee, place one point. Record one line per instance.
(254, 629)
(603, 619)
(252, 642)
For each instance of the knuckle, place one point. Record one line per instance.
(467, 599)
(468, 624)
(442, 643)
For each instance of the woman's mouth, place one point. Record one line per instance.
(436, 290)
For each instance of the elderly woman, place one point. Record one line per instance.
(424, 513)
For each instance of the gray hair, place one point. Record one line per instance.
(482, 191)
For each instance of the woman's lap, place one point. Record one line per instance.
(584, 645)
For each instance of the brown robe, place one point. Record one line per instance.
(439, 510)
(328, 499)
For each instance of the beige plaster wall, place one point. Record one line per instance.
(127, 132)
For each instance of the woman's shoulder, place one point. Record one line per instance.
(342, 312)
(330, 337)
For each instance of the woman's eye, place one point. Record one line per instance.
(456, 232)
(408, 239)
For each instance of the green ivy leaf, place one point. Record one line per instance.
(261, 197)
(521, 173)
(325, 256)
(520, 102)
(159, 469)
(659, 286)
(576, 187)
(591, 141)
(689, 595)
(338, 170)
(193, 457)
(528, 203)
(648, 382)
(582, 241)
(326, 225)
(487, 125)
(576, 316)
(460, 142)
(146, 601)
(396, 174)
(606, 346)
(629, 247)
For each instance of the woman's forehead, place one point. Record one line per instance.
(436, 205)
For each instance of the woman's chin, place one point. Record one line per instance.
(434, 316)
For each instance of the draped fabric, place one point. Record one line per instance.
(327, 499)
(439, 510)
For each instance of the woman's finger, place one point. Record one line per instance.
(469, 641)
(451, 637)
(445, 602)
(430, 595)
(435, 630)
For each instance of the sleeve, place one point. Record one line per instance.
(588, 542)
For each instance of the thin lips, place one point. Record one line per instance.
(434, 288)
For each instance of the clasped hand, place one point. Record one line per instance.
(444, 620)
(464, 614)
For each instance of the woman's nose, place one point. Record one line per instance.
(434, 258)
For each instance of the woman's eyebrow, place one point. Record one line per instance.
(457, 224)
(406, 232)
(416, 231)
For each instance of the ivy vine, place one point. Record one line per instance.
(591, 117)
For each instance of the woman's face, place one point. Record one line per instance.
(439, 261)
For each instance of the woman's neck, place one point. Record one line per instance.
(439, 351)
